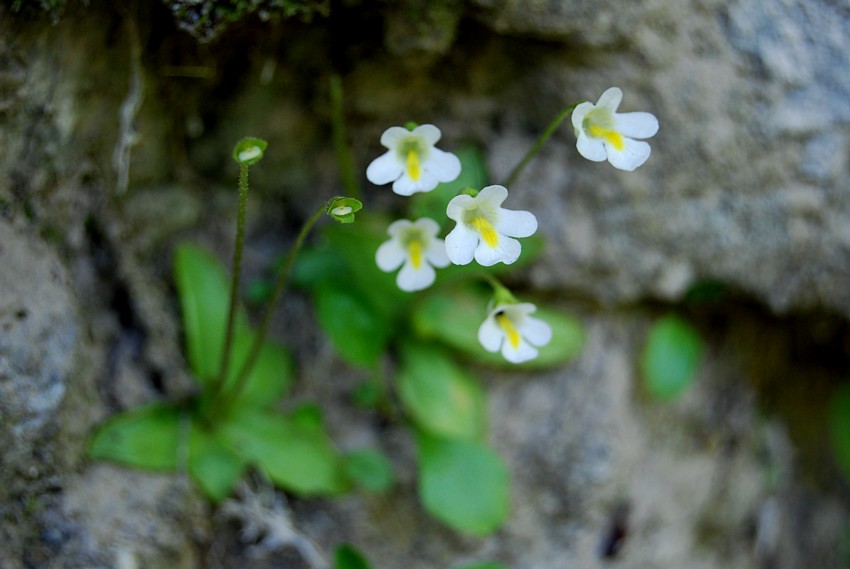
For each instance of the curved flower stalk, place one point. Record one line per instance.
(485, 231)
(603, 133)
(412, 162)
(511, 329)
(415, 248)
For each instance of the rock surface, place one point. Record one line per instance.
(116, 129)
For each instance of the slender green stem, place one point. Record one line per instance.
(345, 161)
(550, 130)
(241, 380)
(235, 279)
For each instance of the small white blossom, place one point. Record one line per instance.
(485, 230)
(511, 329)
(415, 248)
(412, 162)
(603, 133)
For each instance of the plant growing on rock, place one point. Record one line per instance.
(438, 312)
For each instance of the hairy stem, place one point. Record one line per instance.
(232, 393)
(235, 280)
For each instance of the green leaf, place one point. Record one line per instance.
(441, 397)
(453, 317)
(271, 375)
(370, 470)
(839, 429)
(463, 484)
(212, 465)
(482, 565)
(145, 437)
(356, 329)
(204, 290)
(670, 357)
(296, 455)
(348, 557)
(316, 265)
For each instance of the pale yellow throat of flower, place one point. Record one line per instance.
(509, 329)
(486, 230)
(414, 249)
(613, 137)
(414, 170)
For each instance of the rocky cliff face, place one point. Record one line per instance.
(115, 131)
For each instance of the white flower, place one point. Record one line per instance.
(604, 133)
(509, 328)
(485, 230)
(415, 248)
(412, 163)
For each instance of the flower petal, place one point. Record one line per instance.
(506, 251)
(444, 166)
(404, 186)
(428, 133)
(384, 169)
(410, 279)
(390, 255)
(579, 113)
(460, 244)
(591, 148)
(428, 226)
(393, 135)
(633, 154)
(398, 227)
(492, 196)
(516, 223)
(610, 99)
(490, 335)
(636, 125)
(436, 254)
(457, 206)
(536, 331)
(522, 353)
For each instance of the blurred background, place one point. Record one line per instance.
(117, 121)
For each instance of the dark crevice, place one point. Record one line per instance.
(131, 336)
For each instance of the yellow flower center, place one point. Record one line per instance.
(486, 229)
(414, 249)
(508, 328)
(414, 170)
(613, 137)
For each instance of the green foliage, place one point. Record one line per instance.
(295, 455)
(146, 437)
(347, 557)
(839, 429)
(442, 398)
(670, 357)
(370, 470)
(212, 463)
(364, 313)
(356, 329)
(463, 483)
(231, 425)
(204, 291)
(293, 451)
